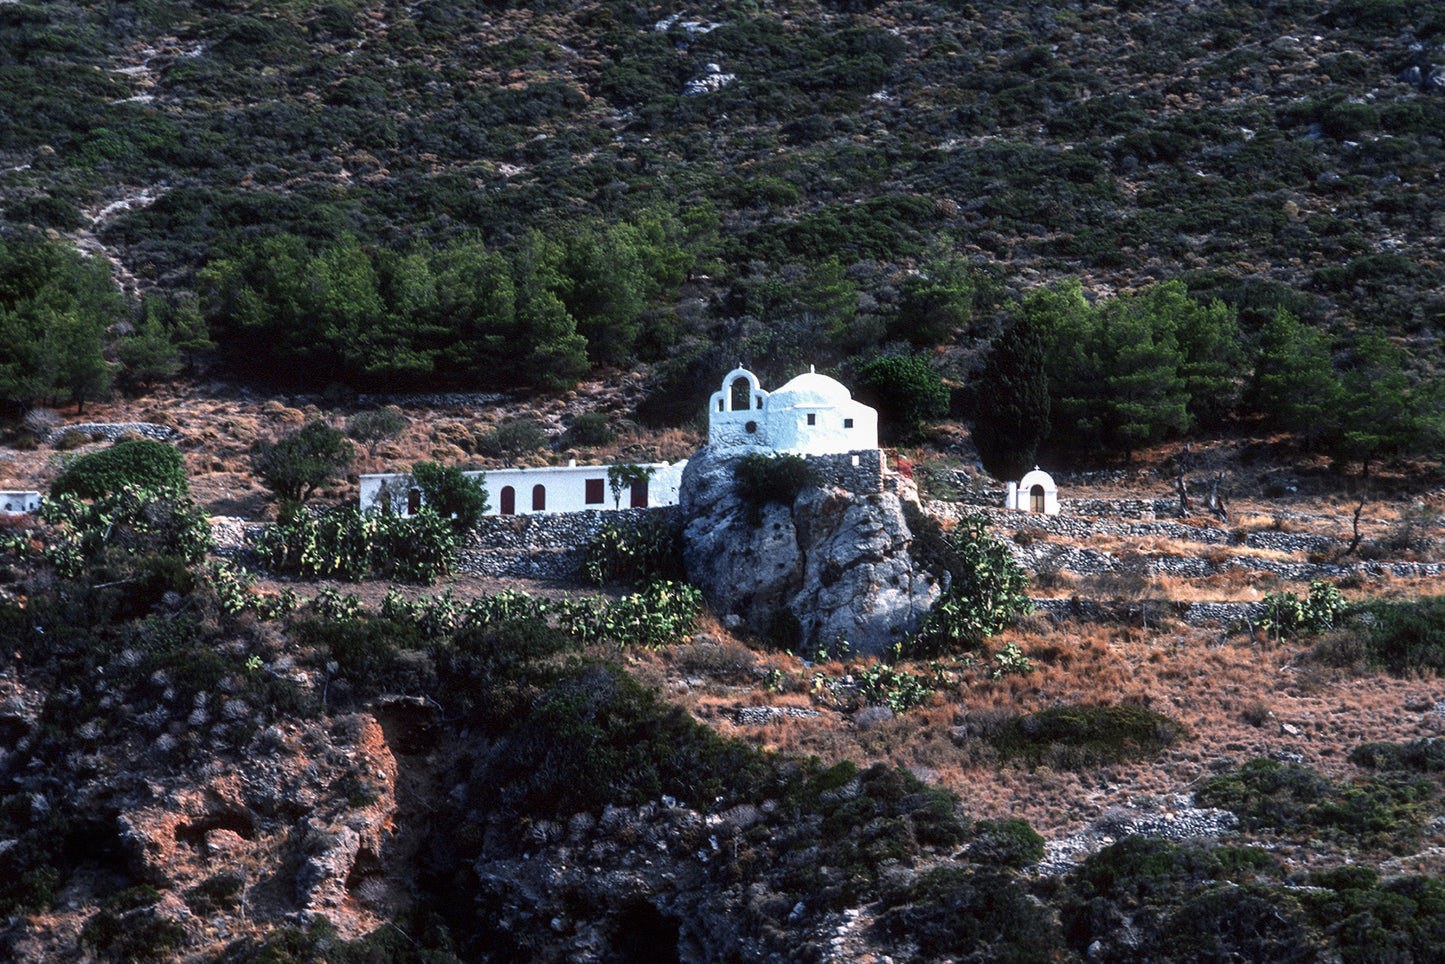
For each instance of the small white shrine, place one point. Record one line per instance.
(16, 502)
(1035, 492)
(810, 415)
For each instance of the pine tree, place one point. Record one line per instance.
(150, 353)
(1294, 384)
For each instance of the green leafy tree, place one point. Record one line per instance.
(375, 426)
(936, 301)
(54, 309)
(1012, 414)
(78, 346)
(907, 391)
(299, 462)
(451, 494)
(1115, 371)
(603, 283)
(556, 355)
(624, 477)
(1144, 393)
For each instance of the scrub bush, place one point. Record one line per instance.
(1082, 737)
(140, 463)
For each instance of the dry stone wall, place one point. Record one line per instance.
(542, 545)
(115, 430)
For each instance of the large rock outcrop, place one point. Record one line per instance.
(839, 562)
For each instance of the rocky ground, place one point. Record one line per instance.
(336, 815)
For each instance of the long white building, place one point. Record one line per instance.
(554, 488)
(810, 415)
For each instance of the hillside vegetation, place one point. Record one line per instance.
(490, 195)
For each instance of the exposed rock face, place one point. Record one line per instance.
(840, 562)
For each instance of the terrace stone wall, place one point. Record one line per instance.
(114, 430)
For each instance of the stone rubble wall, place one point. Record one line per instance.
(840, 471)
(1084, 560)
(1221, 614)
(114, 430)
(543, 545)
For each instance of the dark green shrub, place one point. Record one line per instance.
(1400, 919)
(1425, 755)
(634, 550)
(365, 650)
(1082, 737)
(1145, 868)
(216, 894)
(517, 437)
(1407, 637)
(764, 480)
(44, 212)
(1007, 843)
(588, 430)
(1371, 16)
(139, 463)
(1291, 799)
(597, 737)
(295, 465)
(838, 829)
(501, 649)
(972, 915)
(906, 390)
(458, 498)
(127, 929)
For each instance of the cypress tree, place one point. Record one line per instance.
(1012, 414)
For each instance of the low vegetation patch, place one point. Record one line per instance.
(764, 480)
(838, 829)
(983, 915)
(1425, 755)
(634, 551)
(349, 544)
(1388, 810)
(1080, 737)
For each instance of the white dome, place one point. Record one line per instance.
(810, 390)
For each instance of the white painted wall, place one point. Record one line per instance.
(18, 503)
(1020, 493)
(564, 488)
(810, 415)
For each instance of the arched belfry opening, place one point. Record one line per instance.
(742, 392)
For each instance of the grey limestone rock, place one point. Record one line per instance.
(839, 561)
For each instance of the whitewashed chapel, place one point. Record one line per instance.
(810, 415)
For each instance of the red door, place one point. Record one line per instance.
(639, 494)
(509, 500)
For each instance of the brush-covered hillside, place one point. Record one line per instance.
(386, 196)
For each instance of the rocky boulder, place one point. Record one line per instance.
(839, 562)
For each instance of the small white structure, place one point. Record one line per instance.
(18, 503)
(569, 488)
(1035, 492)
(810, 415)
